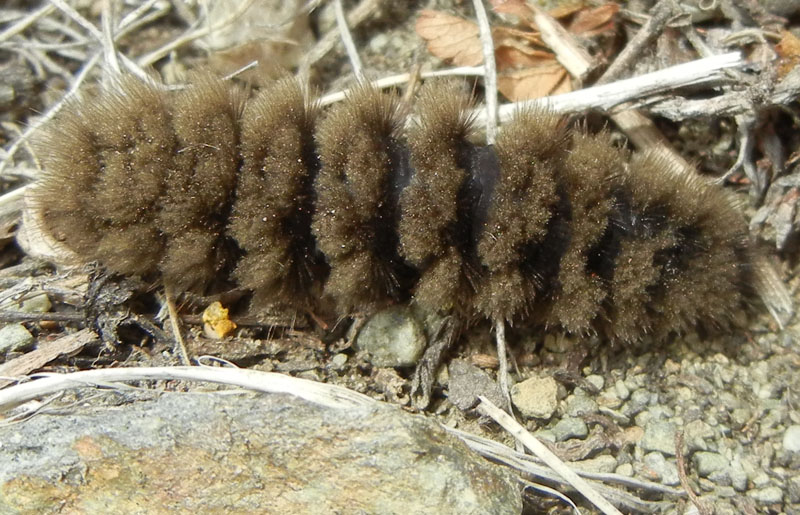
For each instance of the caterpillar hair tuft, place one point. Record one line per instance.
(551, 225)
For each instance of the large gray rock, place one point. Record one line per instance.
(265, 454)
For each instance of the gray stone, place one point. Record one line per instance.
(695, 434)
(793, 489)
(653, 413)
(791, 439)
(768, 495)
(604, 463)
(626, 469)
(596, 380)
(536, 397)
(621, 390)
(378, 43)
(639, 400)
(569, 427)
(257, 454)
(579, 404)
(546, 435)
(339, 360)
(659, 436)
(707, 463)
(392, 338)
(466, 382)
(738, 477)
(725, 491)
(760, 479)
(720, 477)
(740, 417)
(608, 400)
(666, 471)
(15, 338)
(36, 304)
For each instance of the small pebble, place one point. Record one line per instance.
(695, 434)
(738, 477)
(569, 427)
(768, 495)
(667, 472)
(791, 439)
(659, 436)
(793, 489)
(36, 304)
(725, 491)
(379, 42)
(639, 400)
(740, 417)
(608, 400)
(621, 390)
(760, 479)
(597, 381)
(392, 338)
(579, 404)
(338, 360)
(720, 477)
(602, 464)
(626, 469)
(467, 382)
(536, 397)
(709, 462)
(15, 338)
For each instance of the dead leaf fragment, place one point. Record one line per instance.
(546, 78)
(216, 323)
(450, 37)
(592, 22)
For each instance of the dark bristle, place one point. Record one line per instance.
(271, 217)
(429, 205)
(64, 194)
(354, 217)
(530, 150)
(115, 154)
(630, 315)
(700, 272)
(588, 176)
(195, 207)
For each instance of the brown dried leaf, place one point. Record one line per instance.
(546, 78)
(450, 37)
(591, 22)
(565, 10)
(515, 7)
(515, 54)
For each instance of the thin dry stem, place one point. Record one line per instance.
(347, 40)
(174, 321)
(543, 453)
(490, 71)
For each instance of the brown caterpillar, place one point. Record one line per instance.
(549, 225)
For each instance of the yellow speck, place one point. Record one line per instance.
(217, 323)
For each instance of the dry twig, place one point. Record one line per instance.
(543, 453)
(490, 72)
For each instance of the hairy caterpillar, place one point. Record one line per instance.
(550, 225)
